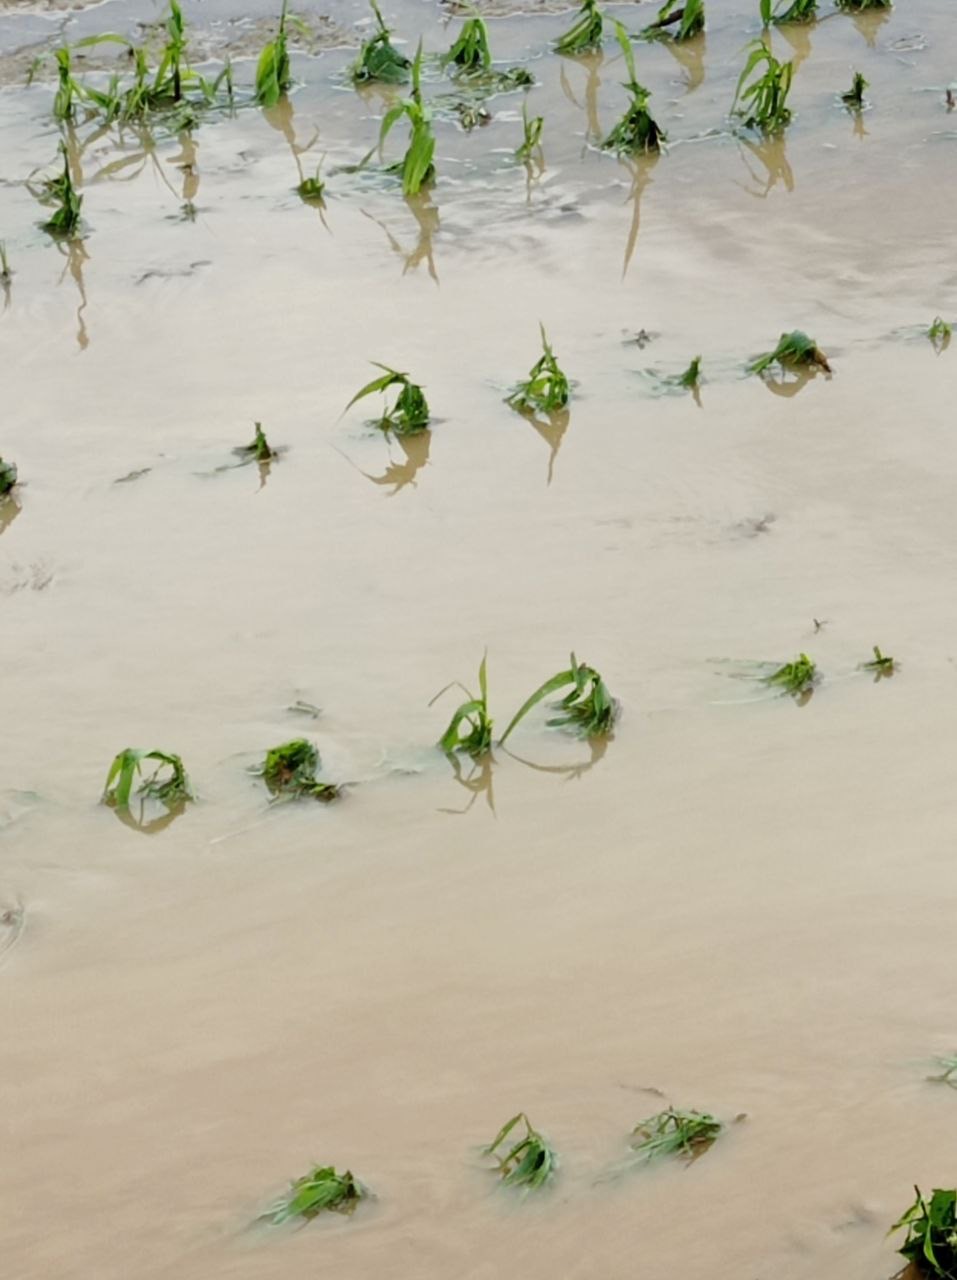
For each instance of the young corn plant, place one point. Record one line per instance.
(528, 1162)
(931, 1242)
(786, 11)
(636, 133)
(532, 139)
(416, 167)
(586, 33)
(546, 387)
(321, 1190)
(854, 98)
(793, 350)
(882, 664)
(764, 99)
(794, 677)
(410, 412)
(672, 1132)
(378, 58)
(259, 449)
(470, 54)
(69, 90)
(940, 334)
(588, 709)
(690, 380)
(289, 771)
(273, 74)
(470, 729)
(8, 477)
(60, 191)
(686, 16)
(168, 783)
(313, 190)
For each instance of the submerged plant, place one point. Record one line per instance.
(172, 789)
(60, 191)
(470, 53)
(793, 349)
(470, 729)
(528, 1162)
(691, 378)
(636, 131)
(794, 677)
(857, 6)
(259, 448)
(546, 386)
(313, 189)
(6, 271)
(788, 11)
(764, 99)
(378, 58)
(320, 1190)
(532, 139)
(882, 663)
(8, 477)
(586, 33)
(273, 74)
(948, 1067)
(290, 770)
(931, 1243)
(940, 333)
(673, 1132)
(588, 708)
(416, 167)
(854, 98)
(686, 16)
(409, 413)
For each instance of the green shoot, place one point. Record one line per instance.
(931, 1243)
(672, 1132)
(854, 98)
(940, 334)
(636, 132)
(378, 59)
(69, 90)
(532, 139)
(416, 167)
(881, 663)
(586, 33)
(794, 677)
(588, 708)
(60, 191)
(470, 729)
(312, 190)
(470, 54)
(691, 378)
(687, 16)
(259, 448)
(289, 770)
(858, 6)
(794, 11)
(764, 100)
(172, 789)
(546, 387)
(320, 1190)
(8, 477)
(409, 413)
(529, 1162)
(6, 272)
(793, 349)
(948, 1069)
(273, 74)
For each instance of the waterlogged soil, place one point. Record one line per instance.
(741, 903)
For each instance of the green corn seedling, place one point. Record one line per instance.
(8, 477)
(636, 132)
(321, 1190)
(673, 1132)
(532, 131)
(546, 387)
(686, 16)
(289, 771)
(793, 350)
(690, 380)
(259, 448)
(588, 708)
(172, 788)
(788, 11)
(416, 167)
(584, 34)
(69, 89)
(940, 334)
(794, 677)
(312, 190)
(470, 54)
(529, 1162)
(470, 729)
(410, 412)
(378, 58)
(764, 100)
(882, 664)
(931, 1243)
(61, 192)
(854, 98)
(273, 74)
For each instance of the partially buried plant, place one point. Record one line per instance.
(931, 1243)
(588, 708)
(532, 135)
(6, 271)
(858, 6)
(410, 411)
(289, 771)
(673, 1132)
(794, 677)
(546, 387)
(273, 73)
(882, 664)
(685, 16)
(636, 132)
(416, 167)
(470, 729)
(8, 477)
(763, 89)
(794, 349)
(940, 334)
(60, 191)
(378, 58)
(584, 34)
(312, 190)
(690, 380)
(168, 783)
(854, 97)
(321, 1190)
(786, 11)
(470, 53)
(528, 1162)
(258, 449)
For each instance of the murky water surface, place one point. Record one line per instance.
(743, 904)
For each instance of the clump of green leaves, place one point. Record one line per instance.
(258, 448)
(69, 89)
(636, 132)
(470, 54)
(674, 1132)
(273, 73)
(289, 770)
(321, 1190)
(410, 412)
(312, 190)
(532, 131)
(794, 677)
(931, 1243)
(470, 729)
(793, 350)
(854, 97)
(882, 663)
(8, 476)
(168, 783)
(940, 333)
(378, 58)
(545, 388)
(61, 192)
(584, 34)
(788, 11)
(528, 1162)
(690, 380)
(588, 708)
(764, 99)
(686, 16)
(416, 167)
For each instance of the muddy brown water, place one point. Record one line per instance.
(743, 904)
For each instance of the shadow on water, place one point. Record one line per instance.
(641, 169)
(772, 156)
(426, 215)
(149, 818)
(798, 36)
(551, 427)
(591, 64)
(475, 777)
(792, 380)
(401, 473)
(689, 54)
(9, 510)
(596, 749)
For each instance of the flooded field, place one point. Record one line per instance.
(740, 902)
